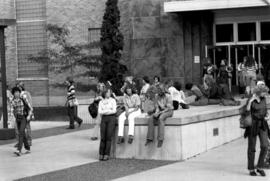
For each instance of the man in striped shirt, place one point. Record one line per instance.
(72, 104)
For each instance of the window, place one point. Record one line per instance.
(94, 36)
(247, 32)
(265, 30)
(224, 33)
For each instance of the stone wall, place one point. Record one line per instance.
(7, 11)
(165, 44)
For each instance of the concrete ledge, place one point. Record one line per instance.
(187, 134)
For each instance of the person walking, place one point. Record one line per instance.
(107, 110)
(22, 112)
(132, 104)
(72, 104)
(259, 128)
(26, 96)
(164, 110)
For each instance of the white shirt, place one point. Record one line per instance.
(145, 88)
(177, 95)
(107, 106)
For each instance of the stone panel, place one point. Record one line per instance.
(188, 49)
(171, 25)
(146, 27)
(151, 47)
(148, 66)
(150, 7)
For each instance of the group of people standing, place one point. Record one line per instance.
(20, 114)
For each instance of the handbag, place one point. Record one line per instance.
(93, 109)
(245, 120)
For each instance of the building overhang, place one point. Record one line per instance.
(201, 5)
(7, 22)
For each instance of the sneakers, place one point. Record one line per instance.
(120, 140)
(106, 158)
(70, 127)
(28, 151)
(252, 173)
(94, 138)
(101, 157)
(18, 153)
(130, 139)
(261, 172)
(160, 143)
(80, 123)
(148, 142)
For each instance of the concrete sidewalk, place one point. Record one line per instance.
(48, 154)
(226, 163)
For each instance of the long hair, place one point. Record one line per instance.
(250, 61)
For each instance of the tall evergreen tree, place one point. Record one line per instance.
(112, 42)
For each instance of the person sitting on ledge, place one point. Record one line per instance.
(178, 96)
(132, 105)
(163, 110)
(195, 95)
(210, 91)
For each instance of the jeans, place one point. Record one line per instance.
(161, 125)
(21, 125)
(72, 113)
(131, 122)
(107, 129)
(252, 149)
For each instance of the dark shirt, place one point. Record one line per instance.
(258, 114)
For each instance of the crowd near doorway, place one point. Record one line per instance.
(233, 41)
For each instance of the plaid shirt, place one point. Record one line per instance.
(18, 106)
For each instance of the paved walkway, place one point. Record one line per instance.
(48, 154)
(226, 163)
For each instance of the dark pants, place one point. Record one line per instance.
(72, 113)
(252, 149)
(21, 124)
(161, 125)
(107, 130)
(176, 105)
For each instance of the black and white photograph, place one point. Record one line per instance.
(134, 90)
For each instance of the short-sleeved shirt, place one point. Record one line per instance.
(132, 101)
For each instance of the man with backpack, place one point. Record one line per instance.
(22, 112)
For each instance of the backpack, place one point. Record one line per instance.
(93, 109)
(26, 108)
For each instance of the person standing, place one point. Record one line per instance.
(107, 110)
(72, 104)
(164, 110)
(242, 76)
(22, 112)
(97, 99)
(251, 68)
(259, 128)
(132, 104)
